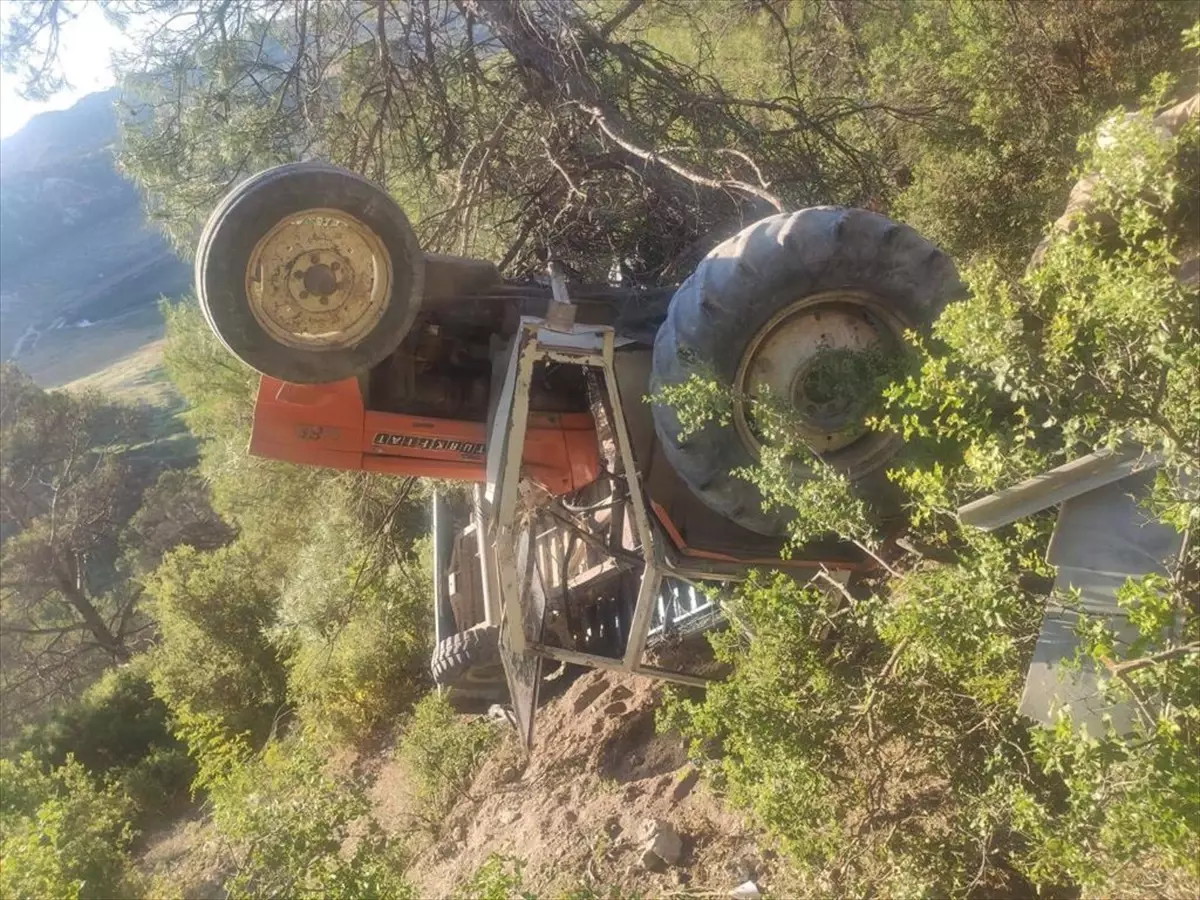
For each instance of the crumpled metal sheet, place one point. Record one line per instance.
(1107, 530)
(1102, 539)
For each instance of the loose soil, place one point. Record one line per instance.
(572, 809)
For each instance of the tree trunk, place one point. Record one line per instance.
(91, 618)
(553, 68)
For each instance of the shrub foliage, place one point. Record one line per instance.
(875, 731)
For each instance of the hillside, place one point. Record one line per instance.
(228, 676)
(76, 251)
(571, 814)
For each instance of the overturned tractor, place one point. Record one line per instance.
(597, 519)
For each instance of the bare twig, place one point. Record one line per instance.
(630, 7)
(1133, 665)
(605, 125)
(825, 576)
(884, 674)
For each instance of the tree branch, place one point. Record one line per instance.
(1133, 665)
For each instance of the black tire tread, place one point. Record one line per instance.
(474, 648)
(741, 284)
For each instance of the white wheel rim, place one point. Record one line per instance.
(780, 358)
(320, 279)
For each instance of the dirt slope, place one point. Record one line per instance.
(573, 809)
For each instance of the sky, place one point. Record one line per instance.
(87, 44)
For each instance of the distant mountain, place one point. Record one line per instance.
(75, 248)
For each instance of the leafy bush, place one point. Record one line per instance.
(286, 822)
(214, 656)
(119, 730)
(117, 722)
(831, 695)
(441, 751)
(499, 878)
(355, 622)
(1096, 345)
(61, 835)
(1016, 85)
(1131, 797)
(288, 825)
(776, 714)
(158, 786)
(358, 679)
(967, 621)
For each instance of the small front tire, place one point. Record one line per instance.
(469, 658)
(309, 273)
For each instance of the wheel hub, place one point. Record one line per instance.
(818, 355)
(319, 280)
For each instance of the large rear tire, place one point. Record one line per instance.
(309, 273)
(758, 312)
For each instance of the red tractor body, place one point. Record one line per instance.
(330, 425)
